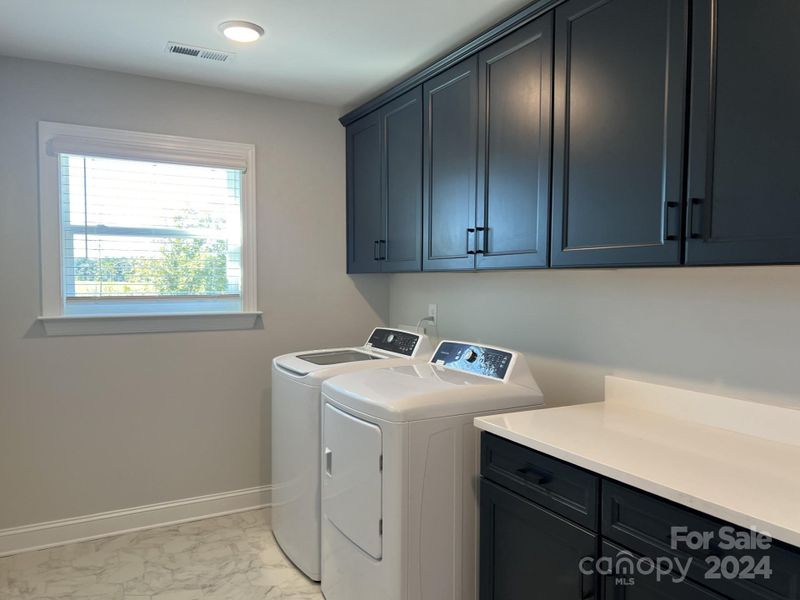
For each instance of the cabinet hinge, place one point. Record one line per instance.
(380, 463)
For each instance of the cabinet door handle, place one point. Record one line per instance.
(695, 223)
(328, 462)
(375, 250)
(381, 249)
(473, 230)
(672, 225)
(484, 231)
(531, 475)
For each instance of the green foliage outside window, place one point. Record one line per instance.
(186, 266)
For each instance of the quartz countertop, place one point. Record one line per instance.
(735, 460)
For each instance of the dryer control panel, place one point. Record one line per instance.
(394, 340)
(478, 360)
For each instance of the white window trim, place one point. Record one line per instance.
(55, 138)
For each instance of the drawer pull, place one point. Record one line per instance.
(531, 475)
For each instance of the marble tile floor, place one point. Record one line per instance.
(233, 557)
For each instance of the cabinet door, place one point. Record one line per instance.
(529, 553)
(620, 70)
(450, 156)
(401, 121)
(515, 102)
(627, 584)
(744, 184)
(364, 195)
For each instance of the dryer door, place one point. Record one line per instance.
(352, 479)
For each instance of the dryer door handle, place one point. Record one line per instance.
(328, 461)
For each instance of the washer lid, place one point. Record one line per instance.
(426, 391)
(392, 346)
(296, 366)
(333, 357)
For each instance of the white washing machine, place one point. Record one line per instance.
(400, 472)
(296, 380)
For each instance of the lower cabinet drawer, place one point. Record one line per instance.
(629, 582)
(558, 486)
(530, 553)
(655, 527)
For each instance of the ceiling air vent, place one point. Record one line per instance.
(197, 52)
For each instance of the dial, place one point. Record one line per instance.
(390, 338)
(470, 356)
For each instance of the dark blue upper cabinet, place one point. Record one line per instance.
(620, 71)
(573, 141)
(401, 122)
(514, 126)
(449, 172)
(384, 188)
(744, 181)
(364, 228)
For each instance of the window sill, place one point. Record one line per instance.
(148, 323)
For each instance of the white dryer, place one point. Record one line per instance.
(296, 380)
(400, 472)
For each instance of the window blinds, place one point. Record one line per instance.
(144, 236)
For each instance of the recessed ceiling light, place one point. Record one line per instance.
(241, 31)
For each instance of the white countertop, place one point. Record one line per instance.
(742, 465)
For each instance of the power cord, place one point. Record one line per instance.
(432, 322)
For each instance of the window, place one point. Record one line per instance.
(147, 226)
(143, 236)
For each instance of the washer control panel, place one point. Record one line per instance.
(478, 360)
(394, 340)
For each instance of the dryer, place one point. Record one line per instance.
(296, 380)
(400, 472)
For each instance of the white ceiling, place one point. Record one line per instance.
(335, 52)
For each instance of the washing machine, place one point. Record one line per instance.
(400, 472)
(296, 380)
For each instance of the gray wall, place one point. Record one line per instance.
(90, 424)
(726, 330)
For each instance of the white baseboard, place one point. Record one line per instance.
(55, 533)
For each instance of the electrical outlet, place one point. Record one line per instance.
(433, 310)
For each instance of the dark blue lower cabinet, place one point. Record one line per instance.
(530, 553)
(627, 576)
(643, 523)
(532, 546)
